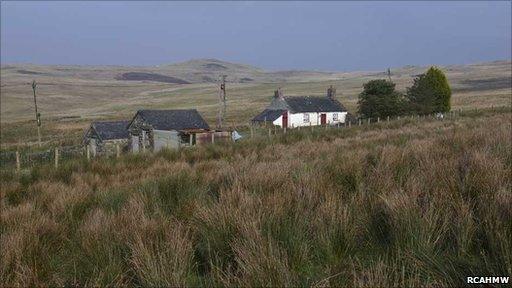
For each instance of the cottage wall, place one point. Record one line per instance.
(297, 119)
(140, 134)
(165, 139)
(109, 146)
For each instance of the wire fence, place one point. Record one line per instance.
(31, 156)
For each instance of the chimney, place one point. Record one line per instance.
(278, 94)
(331, 92)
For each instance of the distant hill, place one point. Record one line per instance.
(105, 91)
(192, 71)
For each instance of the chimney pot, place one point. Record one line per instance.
(278, 93)
(331, 92)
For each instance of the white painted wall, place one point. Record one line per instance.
(297, 119)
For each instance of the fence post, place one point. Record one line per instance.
(213, 137)
(378, 119)
(56, 157)
(18, 164)
(369, 120)
(252, 132)
(118, 151)
(359, 122)
(387, 119)
(398, 118)
(88, 153)
(269, 132)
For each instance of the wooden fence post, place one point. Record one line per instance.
(213, 137)
(118, 151)
(269, 132)
(369, 120)
(349, 123)
(387, 119)
(359, 122)
(88, 152)
(378, 119)
(252, 132)
(56, 157)
(18, 164)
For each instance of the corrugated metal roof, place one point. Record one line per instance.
(314, 104)
(110, 130)
(174, 119)
(268, 115)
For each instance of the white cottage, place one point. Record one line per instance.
(304, 111)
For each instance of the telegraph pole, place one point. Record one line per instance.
(38, 115)
(222, 101)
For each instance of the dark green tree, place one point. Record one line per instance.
(430, 93)
(379, 99)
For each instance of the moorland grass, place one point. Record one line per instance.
(409, 203)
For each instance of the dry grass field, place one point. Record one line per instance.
(405, 203)
(71, 96)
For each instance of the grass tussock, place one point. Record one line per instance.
(417, 204)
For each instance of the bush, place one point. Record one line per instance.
(379, 99)
(430, 93)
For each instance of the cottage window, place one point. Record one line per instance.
(335, 117)
(306, 117)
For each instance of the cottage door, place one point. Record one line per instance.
(285, 119)
(323, 119)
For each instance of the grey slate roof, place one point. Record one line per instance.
(110, 130)
(268, 115)
(174, 119)
(313, 104)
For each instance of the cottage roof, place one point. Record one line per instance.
(174, 119)
(313, 104)
(110, 130)
(268, 115)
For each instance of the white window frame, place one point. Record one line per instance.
(335, 117)
(305, 117)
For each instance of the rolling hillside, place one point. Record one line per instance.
(70, 96)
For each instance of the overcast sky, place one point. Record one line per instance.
(338, 36)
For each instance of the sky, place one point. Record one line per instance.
(330, 36)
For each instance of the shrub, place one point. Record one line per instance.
(379, 99)
(430, 93)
